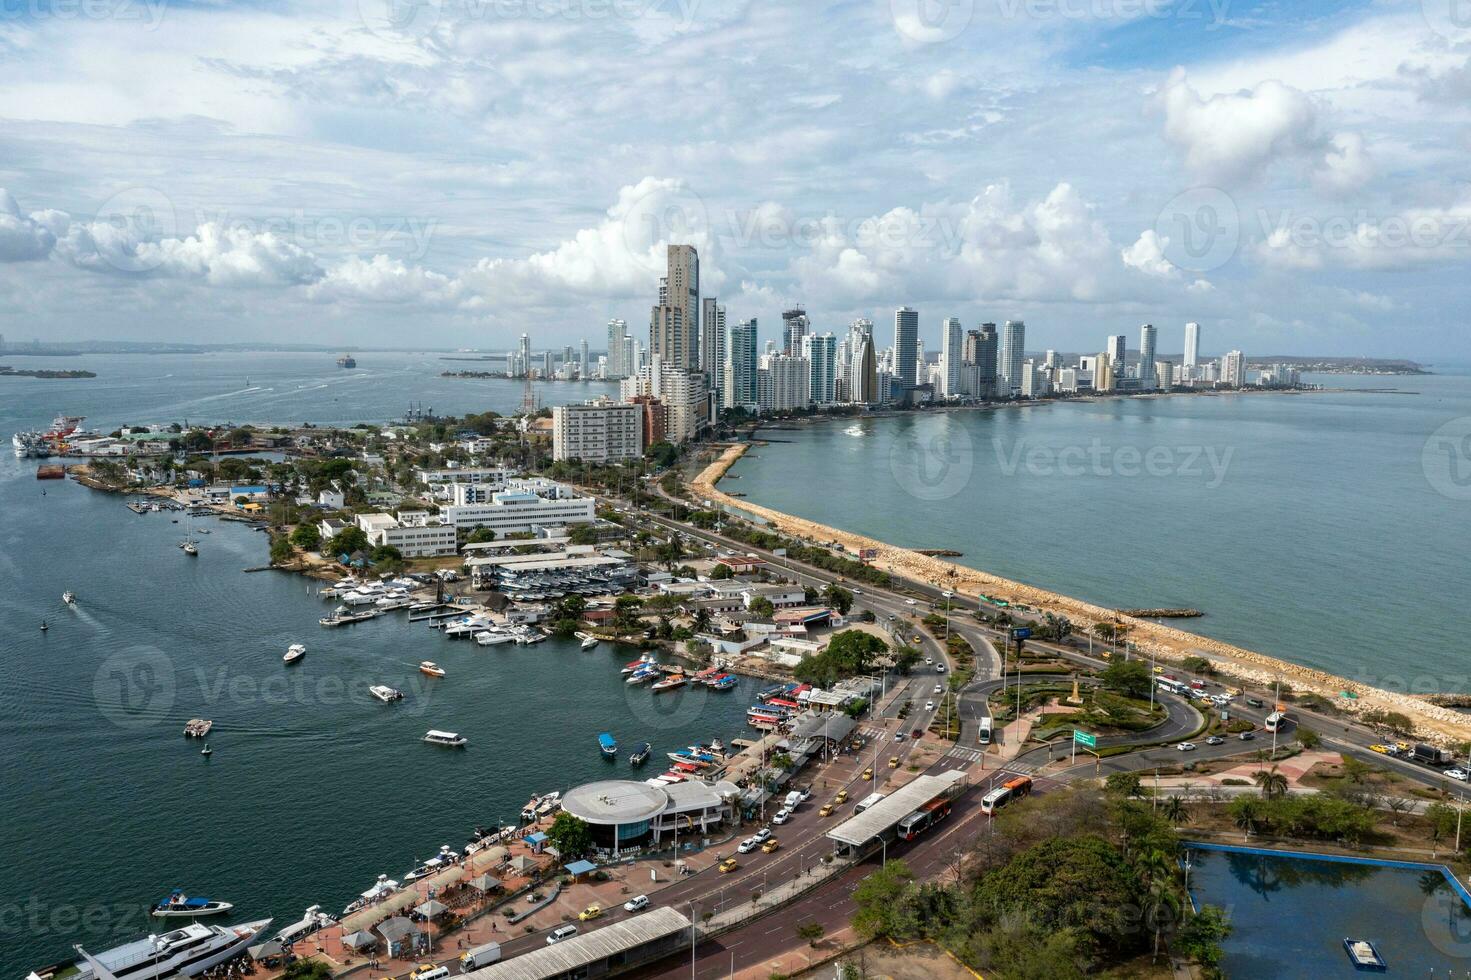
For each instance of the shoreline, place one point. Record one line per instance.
(1167, 643)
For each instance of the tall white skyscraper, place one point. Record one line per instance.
(523, 355)
(952, 342)
(584, 365)
(1146, 352)
(618, 366)
(1118, 348)
(1009, 366)
(821, 352)
(906, 346)
(1233, 369)
(1192, 344)
(788, 383)
(740, 364)
(712, 344)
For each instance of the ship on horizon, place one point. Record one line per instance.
(347, 361)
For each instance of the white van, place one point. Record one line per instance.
(430, 973)
(480, 956)
(561, 933)
(793, 798)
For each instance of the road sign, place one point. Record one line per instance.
(1084, 739)
(1021, 632)
(780, 552)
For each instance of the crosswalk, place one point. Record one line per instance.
(871, 733)
(970, 755)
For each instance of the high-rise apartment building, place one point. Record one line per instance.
(952, 359)
(794, 326)
(821, 352)
(682, 393)
(598, 431)
(584, 365)
(1103, 372)
(618, 367)
(740, 364)
(906, 347)
(1117, 349)
(785, 383)
(1192, 344)
(864, 382)
(674, 325)
(712, 344)
(1009, 360)
(1233, 369)
(1146, 353)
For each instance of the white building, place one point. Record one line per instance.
(495, 475)
(787, 383)
(1009, 362)
(522, 506)
(1233, 369)
(415, 535)
(952, 340)
(821, 352)
(1146, 352)
(598, 431)
(1192, 344)
(1164, 374)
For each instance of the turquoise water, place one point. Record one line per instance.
(1290, 916)
(314, 788)
(1315, 527)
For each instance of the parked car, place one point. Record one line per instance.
(1215, 740)
(806, 793)
(1186, 747)
(428, 971)
(748, 845)
(636, 904)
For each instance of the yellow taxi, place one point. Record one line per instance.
(771, 844)
(893, 762)
(728, 865)
(842, 796)
(1382, 749)
(826, 811)
(591, 912)
(868, 773)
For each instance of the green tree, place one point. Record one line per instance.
(761, 607)
(307, 969)
(1307, 738)
(570, 835)
(1129, 678)
(663, 454)
(811, 932)
(1201, 937)
(480, 535)
(1272, 783)
(1124, 784)
(838, 597)
(721, 572)
(1176, 810)
(306, 536)
(280, 551)
(348, 540)
(884, 903)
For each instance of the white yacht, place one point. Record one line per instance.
(294, 653)
(183, 952)
(588, 642)
(69, 597)
(313, 920)
(385, 693)
(453, 740)
(489, 638)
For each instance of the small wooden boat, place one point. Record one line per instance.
(431, 668)
(1363, 955)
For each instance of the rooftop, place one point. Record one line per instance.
(868, 825)
(573, 956)
(615, 801)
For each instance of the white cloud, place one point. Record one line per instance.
(23, 238)
(1346, 165)
(1147, 255)
(1234, 137)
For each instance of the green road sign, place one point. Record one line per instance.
(1084, 739)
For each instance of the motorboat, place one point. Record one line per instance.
(670, 682)
(69, 597)
(179, 904)
(197, 727)
(608, 745)
(190, 548)
(385, 693)
(589, 642)
(184, 952)
(313, 920)
(634, 666)
(549, 804)
(450, 740)
(431, 668)
(381, 889)
(490, 638)
(294, 653)
(640, 754)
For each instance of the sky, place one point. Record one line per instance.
(453, 173)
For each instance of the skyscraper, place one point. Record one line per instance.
(821, 353)
(794, 325)
(906, 346)
(983, 357)
(523, 356)
(676, 339)
(1233, 369)
(952, 340)
(712, 344)
(740, 364)
(1146, 352)
(1009, 361)
(617, 333)
(1192, 344)
(1103, 373)
(583, 366)
(1118, 347)
(865, 381)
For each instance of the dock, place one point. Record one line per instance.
(447, 611)
(347, 619)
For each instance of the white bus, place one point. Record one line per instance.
(985, 736)
(867, 802)
(1173, 686)
(1007, 791)
(1274, 721)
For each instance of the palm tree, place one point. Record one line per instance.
(1271, 782)
(1160, 901)
(1176, 811)
(1247, 815)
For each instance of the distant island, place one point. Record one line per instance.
(9, 372)
(1345, 365)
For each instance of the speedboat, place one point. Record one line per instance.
(640, 754)
(490, 638)
(431, 668)
(589, 642)
(311, 921)
(381, 889)
(549, 804)
(608, 745)
(385, 693)
(1364, 956)
(69, 597)
(451, 740)
(190, 548)
(639, 664)
(672, 681)
(179, 904)
(294, 653)
(184, 952)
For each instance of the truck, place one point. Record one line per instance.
(1432, 755)
(480, 956)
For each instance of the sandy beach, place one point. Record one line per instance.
(1166, 643)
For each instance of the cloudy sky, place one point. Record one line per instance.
(453, 172)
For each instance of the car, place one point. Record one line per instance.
(856, 591)
(1221, 700)
(939, 689)
(929, 660)
(1460, 774)
(761, 835)
(826, 811)
(1254, 702)
(939, 668)
(917, 732)
(636, 904)
(728, 865)
(806, 793)
(842, 796)
(1381, 749)
(748, 845)
(1159, 670)
(910, 602)
(593, 911)
(1247, 736)
(868, 774)
(782, 816)
(898, 736)
(1186, 747)
(893, 762)
(929, 706)
(770, 846)
(1215, 740)
(559, 934)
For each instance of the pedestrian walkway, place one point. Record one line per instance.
(970, 755)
